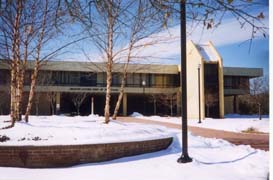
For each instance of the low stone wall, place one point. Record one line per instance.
(68, 155)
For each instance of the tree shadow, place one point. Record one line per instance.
(254, 116)
(226, 162)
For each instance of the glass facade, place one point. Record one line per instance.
(66, 78)
(236, 82)
(211, 83)
(152, 80)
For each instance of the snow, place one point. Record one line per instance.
(206, 52)
(232, 122)
(212, 158)
(61, 130)
(136, 114)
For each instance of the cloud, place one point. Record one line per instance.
(167, 50)
(229, 32)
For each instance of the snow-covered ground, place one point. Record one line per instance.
(56, 130)
(212, 158)
(233, 122)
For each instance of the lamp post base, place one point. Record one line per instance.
(184, 159)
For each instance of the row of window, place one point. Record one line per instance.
(97, 79)
(133, 80)
(236, 82)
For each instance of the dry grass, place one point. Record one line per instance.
(251, 130)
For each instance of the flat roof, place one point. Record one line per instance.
(78, 66)
(239, 71)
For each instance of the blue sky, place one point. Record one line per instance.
(235, 48)
(238, 54)
(230, 39)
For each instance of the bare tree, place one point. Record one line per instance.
(259, 93)
(77, 100)
(104, 17)
(210, 14)
(27, 30)
(46, 34)
(101, 16)
(52, 99)
(119, 22)
(34, 75)
(106, 21)
(153, 98)
(142, 26)
(167, 100)
(45, 79)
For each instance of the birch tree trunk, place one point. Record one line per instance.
(21, 80)
(52, 97)
(32, 90)
(14, 64)
(37, 63)
(19, 91)
(13, 95)
(109, 63)
(137, 28)
(108, 93)
(123, 82)
(121, 92)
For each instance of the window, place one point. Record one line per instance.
(27, 79)
(116, 79)
(130, 80)
(137, 80)
(236, 82)
(101, 79)
(228, 82)
(88, 79)
(4, 76)
(159, 80)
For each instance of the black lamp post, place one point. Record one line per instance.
(143, 85)
(199, 93)
(183, 81)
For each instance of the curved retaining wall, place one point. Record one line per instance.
(68, 155)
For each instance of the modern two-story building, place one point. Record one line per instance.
(150, 88)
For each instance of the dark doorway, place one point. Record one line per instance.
(211, 82)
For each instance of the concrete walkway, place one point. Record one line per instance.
(258, 141)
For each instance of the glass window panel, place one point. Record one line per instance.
(137, 80)
(130, 80)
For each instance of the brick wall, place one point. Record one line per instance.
(68, 155)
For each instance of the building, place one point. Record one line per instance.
(150, 89)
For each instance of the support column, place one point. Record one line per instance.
(124, 104)
(235, 107)
(58, 102)
(92, 105)
(154, 105)
(178, 103)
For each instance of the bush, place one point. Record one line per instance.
(4, 138)
(250, 130)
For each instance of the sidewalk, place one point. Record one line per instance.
(258, 141)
